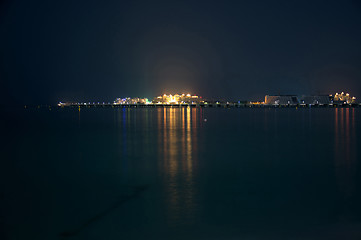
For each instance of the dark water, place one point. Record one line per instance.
(185, 173)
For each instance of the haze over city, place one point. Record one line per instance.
(100, 50)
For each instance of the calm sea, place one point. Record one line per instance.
(180, 173)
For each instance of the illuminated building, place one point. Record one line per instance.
(128, 100)
(67, 104)
(177, 99)
(343, 98)
(254, 103)
(309, 99)
(281, 100)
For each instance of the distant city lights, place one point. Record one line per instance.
(344, 98)
(186, 99)
(177, 99)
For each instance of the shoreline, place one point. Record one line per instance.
(219, 105)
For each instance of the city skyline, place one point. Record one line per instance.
(102, 50)
(189, 99)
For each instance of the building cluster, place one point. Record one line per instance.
(194, 100)
(178, 99)
(345, 98)
(338, 99)
(128, 100)
(163, 99)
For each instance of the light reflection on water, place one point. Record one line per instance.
(166, 138)
(179, 151)
(345, 154)
(244, 172)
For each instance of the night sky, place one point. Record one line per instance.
(54, 51)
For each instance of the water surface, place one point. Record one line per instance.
(181, 173)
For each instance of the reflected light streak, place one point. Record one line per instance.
(178, 150)
(344, 165)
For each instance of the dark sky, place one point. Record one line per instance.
(87, 50)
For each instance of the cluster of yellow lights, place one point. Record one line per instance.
(344, 97)
(176, 98)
